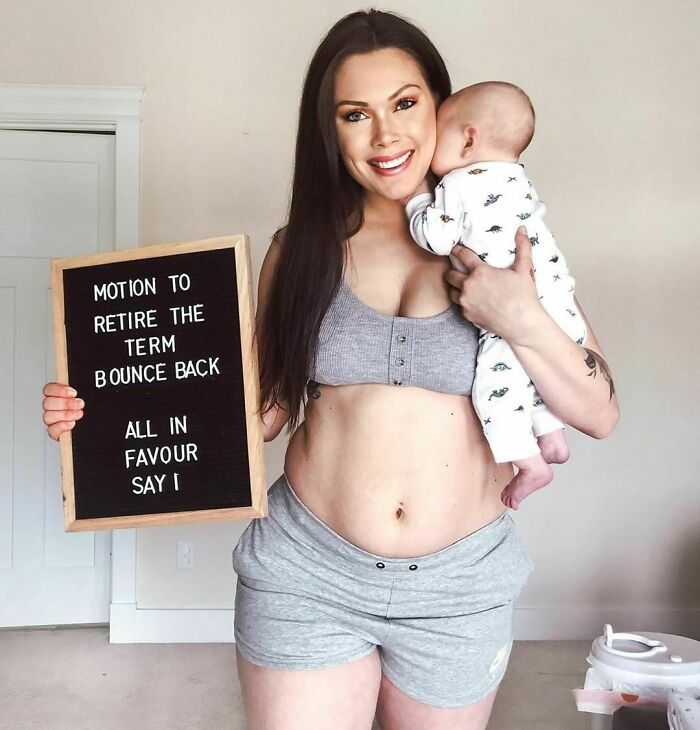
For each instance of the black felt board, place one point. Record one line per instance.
(213, 404)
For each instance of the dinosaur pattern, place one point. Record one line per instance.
(481, 206)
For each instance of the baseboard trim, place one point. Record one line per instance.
(564, 623)
(132, 625)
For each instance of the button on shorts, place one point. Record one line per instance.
(306, 598)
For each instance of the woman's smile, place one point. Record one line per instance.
(392, 165)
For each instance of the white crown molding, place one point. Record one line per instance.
(57, 104)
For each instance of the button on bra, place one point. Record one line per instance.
(358, 344)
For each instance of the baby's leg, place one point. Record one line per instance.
(533, 473)
(553, 447)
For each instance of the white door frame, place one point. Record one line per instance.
(114, 109)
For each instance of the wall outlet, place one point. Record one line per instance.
(185, 555)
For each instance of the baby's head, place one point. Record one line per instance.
(493, 120)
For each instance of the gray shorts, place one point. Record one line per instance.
(306, 598)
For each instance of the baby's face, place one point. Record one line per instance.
(449, 150)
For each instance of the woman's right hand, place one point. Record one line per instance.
(61, 408)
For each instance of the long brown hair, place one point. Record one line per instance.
(326, 207)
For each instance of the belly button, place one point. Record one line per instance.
(399, 512)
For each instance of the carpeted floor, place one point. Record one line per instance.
(73, 678)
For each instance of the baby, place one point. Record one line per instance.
(482, 198)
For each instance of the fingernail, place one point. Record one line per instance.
(72, 392)
(521, 229)
(71, 423)
(80, 402)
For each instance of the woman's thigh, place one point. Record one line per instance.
(343, 697)
(398, 711)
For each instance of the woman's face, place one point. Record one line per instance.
(384, 115)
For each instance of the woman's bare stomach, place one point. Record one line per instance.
(397, 472)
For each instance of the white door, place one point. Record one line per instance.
(56, 199)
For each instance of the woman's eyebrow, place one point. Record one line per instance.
(364, 103)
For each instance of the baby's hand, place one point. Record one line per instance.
(424, 187)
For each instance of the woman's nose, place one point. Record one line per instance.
(384, 133)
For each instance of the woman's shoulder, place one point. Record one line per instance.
(278, 239)
(273, 250)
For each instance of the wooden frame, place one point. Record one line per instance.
(241, 247)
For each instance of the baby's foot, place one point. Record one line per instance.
(553, 447)
(533, 473)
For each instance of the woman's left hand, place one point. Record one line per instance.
(502, 301)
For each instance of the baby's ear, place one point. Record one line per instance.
(469, 137)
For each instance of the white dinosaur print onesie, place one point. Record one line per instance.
(481, 206)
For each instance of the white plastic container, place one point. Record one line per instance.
(684, 710)
(634, 669)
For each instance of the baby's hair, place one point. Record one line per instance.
(520, 131)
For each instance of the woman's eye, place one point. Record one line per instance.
(349, 117)
(410, 103)
(401, 106)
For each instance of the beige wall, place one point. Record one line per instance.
(615, 158)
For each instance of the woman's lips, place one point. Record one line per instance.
(386, 171)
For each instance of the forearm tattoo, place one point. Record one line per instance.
(595, 361)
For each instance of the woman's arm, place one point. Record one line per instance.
(273, 421)
(574, 381)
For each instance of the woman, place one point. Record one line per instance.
(385, 574)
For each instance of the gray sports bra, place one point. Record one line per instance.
(358, 344)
